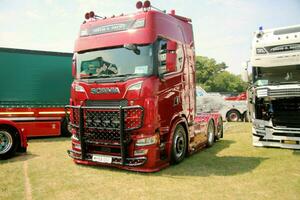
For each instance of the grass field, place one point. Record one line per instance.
(231, 169)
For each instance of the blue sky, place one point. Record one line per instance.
(222, 28)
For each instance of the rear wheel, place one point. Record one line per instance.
(233, 116)
(219, 133)
(64, 128)
(245, 116)
(8, 143)
(210, 133)
(178, 150)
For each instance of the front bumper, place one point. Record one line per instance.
(276, 137)
(138, 164)
(116, 160)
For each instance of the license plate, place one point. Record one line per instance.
(102, 158)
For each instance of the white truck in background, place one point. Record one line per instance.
(231, 111)
(274, 95)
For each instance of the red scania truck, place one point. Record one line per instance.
(132, 101)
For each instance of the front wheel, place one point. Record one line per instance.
(178, 150)
(8, 143)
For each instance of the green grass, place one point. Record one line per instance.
(231, 169)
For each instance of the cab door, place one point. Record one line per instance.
(171, 86)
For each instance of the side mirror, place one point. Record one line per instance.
(74, 68)
(171, 62)
(245, 71)
(171, 56)
(171, 45)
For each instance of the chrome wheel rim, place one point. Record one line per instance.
(233, 117)
(179, 144)
(6, 142)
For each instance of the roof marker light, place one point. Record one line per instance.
(260, 28)
(139, 5)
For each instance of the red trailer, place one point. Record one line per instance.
(34, 90)
(133, 98)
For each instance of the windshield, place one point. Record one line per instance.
(276, 75)
(115, 62)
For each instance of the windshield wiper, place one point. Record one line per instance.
(132, 47)
(123, 75)
(96, 76)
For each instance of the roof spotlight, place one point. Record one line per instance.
(87, 16)
(92, 14)
(147, 4)
(139, 5)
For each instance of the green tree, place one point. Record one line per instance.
(213, 77)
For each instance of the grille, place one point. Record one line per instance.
(284, 92)
(286, 112)
(104, 119)
(104, 149)
(109, 103)
(102, 136)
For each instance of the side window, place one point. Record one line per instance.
(162, 55)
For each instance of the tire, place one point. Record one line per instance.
(219, 132)
(8, 143)
(233, 116)
(179, 145)
(64, 128)
(22, 149)
(210, 132)
(245, 116)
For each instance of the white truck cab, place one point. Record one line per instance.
(274, 96)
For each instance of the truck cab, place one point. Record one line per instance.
(274, 96)
(133, 97)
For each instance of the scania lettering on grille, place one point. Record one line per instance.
(105, 91)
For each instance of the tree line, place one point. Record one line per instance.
(213, 77)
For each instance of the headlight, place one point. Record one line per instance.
(262, 93)
(147, 141)
(135, 86)
(260, 51)
(79, 88)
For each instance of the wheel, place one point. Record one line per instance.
(245, 116)
(22, 149)
(233, 116)
(210, 133)
(8, 143)
(64, 128)
(219, 133)
(178, 150)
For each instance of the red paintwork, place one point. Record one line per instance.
(240, 97)
(22, 133)
(35, 124)
(156, 96)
